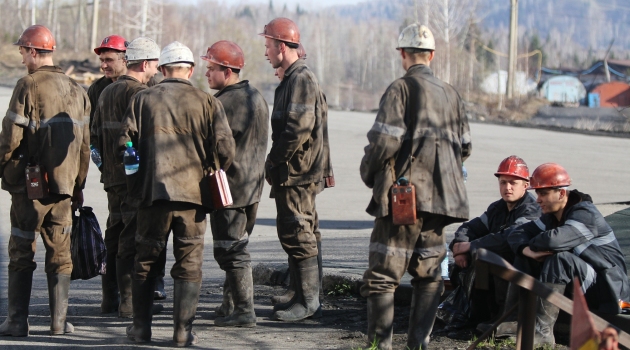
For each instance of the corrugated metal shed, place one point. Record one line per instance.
(563, 89)
(613, 94)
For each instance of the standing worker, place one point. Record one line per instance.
(295, 165)
(142, 61)
(45, 133)
(329, 181)
(248, 115)
(176, 129)
(420, 137)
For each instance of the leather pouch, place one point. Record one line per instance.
(403, 204)
(36, 182)
(220, 189)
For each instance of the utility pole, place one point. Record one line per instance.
(94, 24)
(513, 48)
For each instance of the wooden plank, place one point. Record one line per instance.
(496, 265)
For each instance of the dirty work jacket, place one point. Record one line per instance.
(106, 125)
(421, 112)
(48, 112)
(491, 229)
(94, 92)
(584, 232)
(248, 115)
(297, 134)
(175, 127)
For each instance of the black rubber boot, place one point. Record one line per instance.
(227, 306)
(58, 286)
(546, 316)
(305, 303)
(507, 329)
(124, 274)
(109, 283)
(424, 304)
(16, 323)
(380, 310)
(282, 300)
(242, 286)
(185, 303)
(143, 292)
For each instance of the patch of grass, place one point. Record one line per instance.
(495, 344)
(373, 345)
(341, 289)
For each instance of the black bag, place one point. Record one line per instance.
(89, 255)
(455, 309)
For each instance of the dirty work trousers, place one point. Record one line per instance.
(187, 221)
(231, 229)
(296, 220)
(51, 218)
(418, 249)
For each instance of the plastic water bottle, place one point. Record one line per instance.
(131, 160)
(96, 156)
(445, 262)
(464, 172)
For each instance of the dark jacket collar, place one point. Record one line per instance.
(297, 64)
(239, 85)
(128, 77)
(54, 69)
(176, 80)
(419, 69)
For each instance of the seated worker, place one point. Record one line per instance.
(571, 239)
(489, 231)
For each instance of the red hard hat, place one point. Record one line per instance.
(282, 29)
(225, 53)
(301, 51)
(549, 175)
(513, 166)
(112, 42)
(37, 37)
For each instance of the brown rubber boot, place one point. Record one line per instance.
(227, 306)
(16, 323)
(380, 310)
(58, 286)
(546, 316)
(143, 292)
(185, 303)
(424, 304)
(305, 303)
(242, 285)
(282, 300)
(109, 283)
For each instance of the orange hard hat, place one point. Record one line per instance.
(225, 53)
(513, 166)
(37, 37)
(549, 175)
(301, 51)
(282, 29)
(112, 42)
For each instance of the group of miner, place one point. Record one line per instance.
(182, 134)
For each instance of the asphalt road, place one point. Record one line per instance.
(598, 166)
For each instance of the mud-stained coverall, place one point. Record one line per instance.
(421, 112)
(295, 162)
(175, 127)
(248, 116)
(105, 132)
(584, 246)
(48, 112)
(94, 92)
(490, 231)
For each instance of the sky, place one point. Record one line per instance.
(306, 4)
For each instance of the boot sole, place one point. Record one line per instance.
(189, 342)
(14, 335)
(241, 325)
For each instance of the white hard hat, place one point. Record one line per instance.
(142, 49)
(176, 52)
(416, 36)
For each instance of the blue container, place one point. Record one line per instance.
(593, 100)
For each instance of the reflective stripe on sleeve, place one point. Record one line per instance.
(23, 234)
(540, 224)
(599, 241)
(581, 228)
(484, 220)
(17, 119)
(387, 129)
